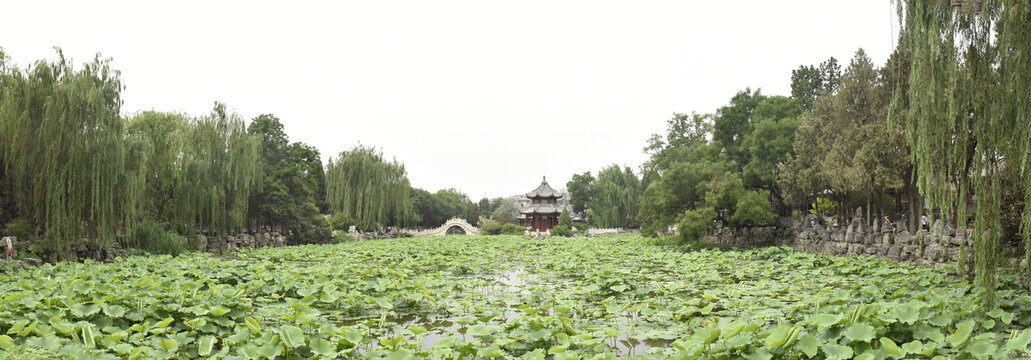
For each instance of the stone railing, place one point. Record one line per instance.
(600, 231)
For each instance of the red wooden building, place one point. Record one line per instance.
(544, 208)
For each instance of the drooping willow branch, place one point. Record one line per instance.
(969, 117)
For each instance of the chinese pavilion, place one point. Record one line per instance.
(544, 208)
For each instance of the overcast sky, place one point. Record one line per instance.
(482, 96)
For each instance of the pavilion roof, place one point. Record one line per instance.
(544, 191)
(542, 209)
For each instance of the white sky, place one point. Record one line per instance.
(482, 96)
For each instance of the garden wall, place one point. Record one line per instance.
(227, 243)
(941, 246)
(87, 248)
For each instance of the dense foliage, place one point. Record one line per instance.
(966, 115)
(65, 151)
(496, 227)
(504, 297)
(292, 180)
(74, 170)
(218, 167)
(434, 209)
(721, 167)
(367, 188)
(611, 201)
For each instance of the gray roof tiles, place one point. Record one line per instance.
(544, 191)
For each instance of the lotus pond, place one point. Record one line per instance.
(504, 297)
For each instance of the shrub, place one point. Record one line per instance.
(512, 229)
(342, 237)
(565, 219)
(561, 230)
(495, 227)
(341, 221)
(20, 228)
(156, 237)
(314, 229)
(695, 223)
(491, 227)
(754, 209)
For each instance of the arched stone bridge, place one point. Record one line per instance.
(454, 222)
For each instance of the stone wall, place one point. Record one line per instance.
(940, 246)
(226, 243)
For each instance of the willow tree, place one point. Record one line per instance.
(218, 168)
(368, 189)
(617, 198)
(164, 134)
(969, 116)
(75, 173)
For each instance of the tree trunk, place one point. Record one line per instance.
(868, 220)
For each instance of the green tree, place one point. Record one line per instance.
(506, 211)
(967, 120)
(218, 168)
(581, 191)
(770, 144)
(618, 198)
(73, 169)
(165, 133)
(858, 161)
(830, 73)
(693, 224)
(734, 204)
(368, 189)
(801, 177)
(286, 197)
(426, 209)
(565, 219)
(456, 204)
(733, 123)
(484, 206)
(809, 82)
(682, 185)
(806, 85)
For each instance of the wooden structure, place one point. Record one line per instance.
(543, 211)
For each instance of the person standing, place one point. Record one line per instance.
(10, 246)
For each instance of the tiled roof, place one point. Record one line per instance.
(544, 191)
(542, 209)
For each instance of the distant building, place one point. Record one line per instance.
(540, 208)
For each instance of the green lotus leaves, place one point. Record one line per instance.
(836, 352)
(1019, 341)
(400, 354)
(115, 311)
(809, 345)
(603, 297)
(168, 344)
(205, 345)
(824, 321)
(891, 348)
(962, 333)
(860, 332)
(84, 310)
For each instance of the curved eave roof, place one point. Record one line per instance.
(544, 191)
(541, 209)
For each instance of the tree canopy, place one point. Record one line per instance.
(66, 151)
(365, 187)
(966, 114)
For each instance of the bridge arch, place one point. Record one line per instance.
(452, 223)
